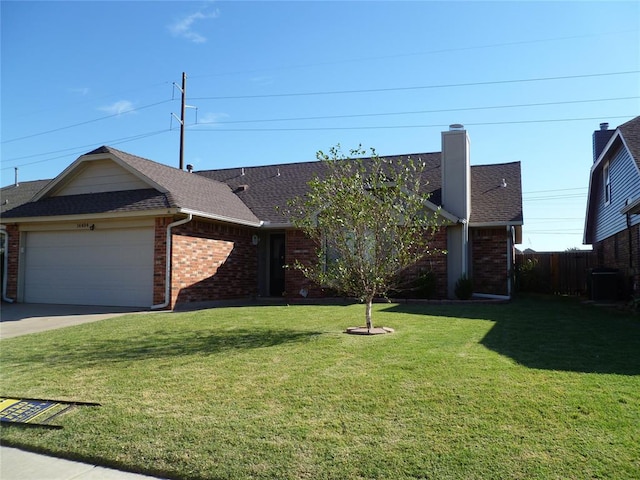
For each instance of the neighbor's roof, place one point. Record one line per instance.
(630, 132)
(15, 195)
(266, 189)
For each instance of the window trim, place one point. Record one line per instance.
(606, 183)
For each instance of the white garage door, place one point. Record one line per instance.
(101, 267)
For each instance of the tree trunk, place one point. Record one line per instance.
(368, 313)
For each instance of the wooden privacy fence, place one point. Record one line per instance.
(561, 273)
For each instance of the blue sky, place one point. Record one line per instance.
(273, 82)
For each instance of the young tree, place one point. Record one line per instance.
(370, 221)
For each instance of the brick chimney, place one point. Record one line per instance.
(456, 199)
(600, 139)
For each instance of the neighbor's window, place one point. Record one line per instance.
(606, 177)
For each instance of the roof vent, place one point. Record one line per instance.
(189, 168)
(456, 127)
(241, 188)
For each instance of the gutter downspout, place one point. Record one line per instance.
(167, 271)
(5, 265)
(511, 240)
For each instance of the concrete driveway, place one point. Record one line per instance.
(23, 318)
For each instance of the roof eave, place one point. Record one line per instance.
(222, 218)
(517, 223)
(84, 216)
(632, 208)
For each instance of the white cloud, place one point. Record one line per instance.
(264, 80)
(183, 26)
(119, 107)
(83, 91)
(211, 118)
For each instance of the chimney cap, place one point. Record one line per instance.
(189, 168)
(604, 126)
(455, 127)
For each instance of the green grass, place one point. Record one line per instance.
(536, 389)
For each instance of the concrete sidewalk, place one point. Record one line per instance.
(22, 319)
(20, 465)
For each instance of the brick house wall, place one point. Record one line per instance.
(299, 247)
(489, 267)
(159, 259)
(13, 247)
(622, 251)
(211, 261)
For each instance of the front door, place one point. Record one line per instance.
(276, 264)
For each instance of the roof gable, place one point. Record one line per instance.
(98, 176)
(627, 137)
(181, 191)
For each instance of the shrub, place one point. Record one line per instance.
(464, 288)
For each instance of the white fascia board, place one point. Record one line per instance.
(86, 216)
(495, 224)
(221, 218)
(633, 208)
(442, 212)
(605, 150)
(276, 226)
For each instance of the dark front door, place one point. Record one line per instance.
(276, 264)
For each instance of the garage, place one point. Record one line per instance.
(89, 267)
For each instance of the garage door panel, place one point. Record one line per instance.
(106, 267)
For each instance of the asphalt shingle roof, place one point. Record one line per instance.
(256, 194)
(15, 195)
(631, 134)
(91, 203)
(266, 189)
(181, 190)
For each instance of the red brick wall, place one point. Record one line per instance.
(13, 255)
(436, 263)
(159, 259)
(212, 261)
(489, 269)
(622, 251)
(299, 247)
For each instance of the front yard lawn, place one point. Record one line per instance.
(534, 389)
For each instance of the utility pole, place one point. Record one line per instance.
(183, 107)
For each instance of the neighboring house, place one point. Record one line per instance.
(612, 223)
(117, 229)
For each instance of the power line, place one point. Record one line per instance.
(384, 127)
(360, 115)
(85, 122)
(420, 87)
(414, 54)
(555, 197)
(554, 190)
(116, 141)
(135, 137)
(555, 232)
